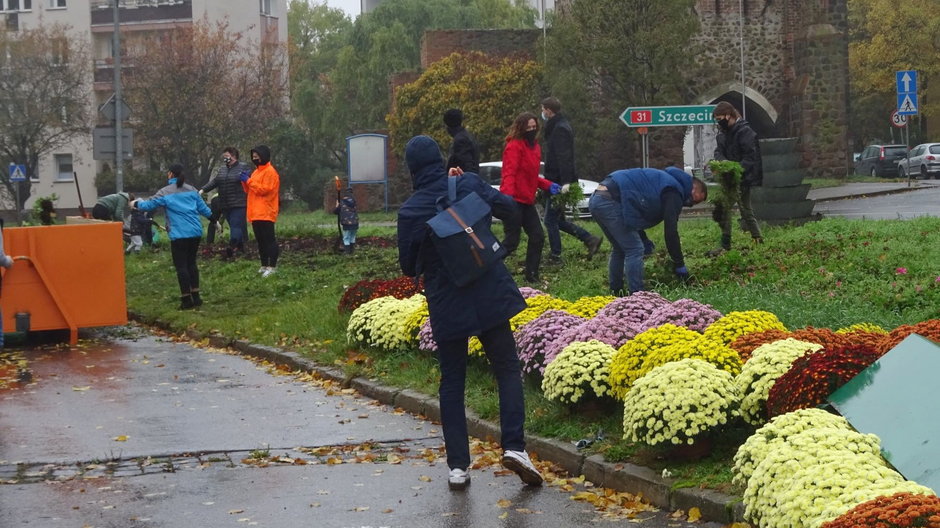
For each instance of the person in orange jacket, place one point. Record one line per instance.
(263, 188)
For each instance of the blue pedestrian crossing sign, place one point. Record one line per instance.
(17, 173)
(906, 81)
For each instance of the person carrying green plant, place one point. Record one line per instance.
(737, 142)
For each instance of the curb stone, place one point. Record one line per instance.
(631, 478)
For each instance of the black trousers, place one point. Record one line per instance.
(267, 242)
(184, 252)
(528, 219)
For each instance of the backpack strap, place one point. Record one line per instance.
(452, 189)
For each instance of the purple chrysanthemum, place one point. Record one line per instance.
(534, 338)
(634, 309)
(426, 339)
(684, 312)
(602, 328)
(529, 292)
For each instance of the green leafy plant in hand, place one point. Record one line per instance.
(728, 176)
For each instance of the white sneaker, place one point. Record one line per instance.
(518, 462)
(458, 479)
(268, 272)
(262, 269)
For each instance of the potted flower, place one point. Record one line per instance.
(679, 403)
(627, 365)
(736, 324)
(589, 306)
(901, 510)
(533, 339)
(603, 328)
(580, 372)
(683, 312)
(379, 323)
(758, 375)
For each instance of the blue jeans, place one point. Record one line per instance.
(349, 236)
(626, 254)
(500, 348)
(237, 227)
(555, 223)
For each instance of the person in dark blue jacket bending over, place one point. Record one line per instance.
(629, 201)
(481, 308)
(183, 206)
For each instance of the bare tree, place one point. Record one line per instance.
(44, 104)
(196, 90)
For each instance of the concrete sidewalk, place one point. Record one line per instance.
(655, 489)
(860, 189)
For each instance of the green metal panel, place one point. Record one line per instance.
(898, 399)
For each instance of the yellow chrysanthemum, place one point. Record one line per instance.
(589, 306)
(737, 324)
(627, 365)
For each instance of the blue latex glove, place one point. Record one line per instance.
(244, 176)
(649, 247)
(554, 189)
(682, 273)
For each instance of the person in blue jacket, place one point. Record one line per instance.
(183, 205)
(629, 201)
(481, 308)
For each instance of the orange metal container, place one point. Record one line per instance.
(65, 276)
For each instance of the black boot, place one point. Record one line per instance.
(186, 302)
(197, 300)
(352, 248)
(346, 249)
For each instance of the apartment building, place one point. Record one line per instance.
(258, 20)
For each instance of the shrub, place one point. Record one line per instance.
(533, 339)
(684, 312)
(627, 365)
(678, 402)
(581, 370)
(901, 510)
(813, 377)
(736, 324)
(929, 329)
(367, 290)
(635, 308)
(601, 328)
(768, 363)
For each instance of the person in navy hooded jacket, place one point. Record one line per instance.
(482, 309)
(629, 201)
(183, 206)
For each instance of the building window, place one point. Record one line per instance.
(63, 167)
(16, 5)
(56, 3)
(265, 7)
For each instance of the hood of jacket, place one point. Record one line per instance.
(685, 180)
(263, 152)
(425, 162)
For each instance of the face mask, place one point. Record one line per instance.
(544, 117)
(256, 161)
(723, 124)
(530, 135)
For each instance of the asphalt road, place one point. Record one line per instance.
(924, 201)
(148, 432)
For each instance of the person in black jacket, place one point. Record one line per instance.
(233, 198)
(482, 308)
(464, 152)
(559, 168)
(737, 141)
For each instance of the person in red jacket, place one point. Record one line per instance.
(263, 188)
(520, 180)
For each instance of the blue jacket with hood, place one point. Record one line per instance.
(183, 206)
(455, 312)
(641, 193)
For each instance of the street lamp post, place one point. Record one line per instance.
(118, 118)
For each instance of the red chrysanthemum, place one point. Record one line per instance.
(929, 329)
(816, 375)
(901, 510)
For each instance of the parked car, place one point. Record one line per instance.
(492, 172)
(923, 161)
(880, 161)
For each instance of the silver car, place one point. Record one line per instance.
(492, 173)
(923, 161)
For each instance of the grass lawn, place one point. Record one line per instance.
(831, 273)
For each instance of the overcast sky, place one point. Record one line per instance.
(351, 7)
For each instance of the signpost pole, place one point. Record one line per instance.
(118, 118)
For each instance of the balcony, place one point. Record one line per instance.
(141, 12)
